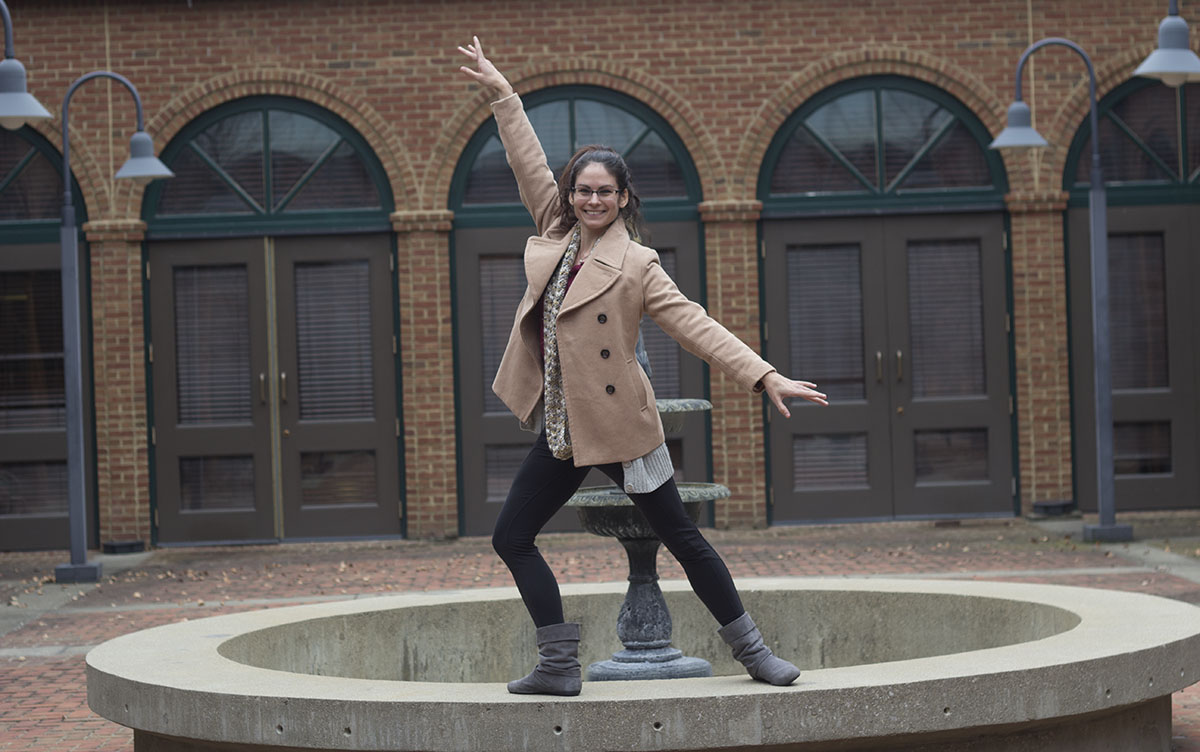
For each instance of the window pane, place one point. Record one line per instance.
(957, 161)
(33, 488)
(337, 479)
(804, 166)
(909, 122)
(551, 121)
(600, 123)
(1137, 311)
(198, 189)
(660, 348)
(235, 144)
(501, 463)
(341, 183)
(849, 124)
(333, 341)
(297, 142)
(948, 456)
(491, 180)
(945, 303)
(825, 319)
(1141, 448)
(35, 187)
(656, 173)
(216, 484)
(1152, 114)
(1121, 160)
(830, 461)
(501, 283)
(212, 344)
(31, 350)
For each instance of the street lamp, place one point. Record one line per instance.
(1173, 62)
(17, 105)
(1019, 133)
(142, 167)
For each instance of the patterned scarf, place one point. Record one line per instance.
(557, 432)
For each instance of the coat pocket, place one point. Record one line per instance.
(636, 377)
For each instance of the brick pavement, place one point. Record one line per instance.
(43, 705)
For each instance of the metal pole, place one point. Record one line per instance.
(78, 570)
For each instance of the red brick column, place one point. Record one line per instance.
(739, 458)
(427, 372)
(1042, 355)
(118, 362)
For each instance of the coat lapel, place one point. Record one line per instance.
(601, 270)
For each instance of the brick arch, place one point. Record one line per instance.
(354, 109)
(967, 88)
(662, 99)
(95, 182)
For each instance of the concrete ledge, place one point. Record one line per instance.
(890, 663)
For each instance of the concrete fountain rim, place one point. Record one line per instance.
(1094, 666)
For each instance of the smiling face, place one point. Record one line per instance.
(596, 213)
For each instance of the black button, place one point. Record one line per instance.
(602, 318)
(610, 389)
(604, 354)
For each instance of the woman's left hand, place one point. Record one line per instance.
(780, 388)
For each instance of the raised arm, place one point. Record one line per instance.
(535, 180)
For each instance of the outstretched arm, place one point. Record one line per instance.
(485, 73)
(780, 388)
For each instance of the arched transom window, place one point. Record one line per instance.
(879, 141)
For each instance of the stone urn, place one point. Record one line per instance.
(644, 623)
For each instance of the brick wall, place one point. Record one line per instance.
(724, 74)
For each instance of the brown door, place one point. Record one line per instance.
(1153, 274)
(33, 440)
(901, 320)
(490, 280)
(274, 407)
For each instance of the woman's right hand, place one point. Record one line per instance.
(485, 73)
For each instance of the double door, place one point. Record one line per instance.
(274, 389)
(902, 321)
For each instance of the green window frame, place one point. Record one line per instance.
(261, 206)
(508, 214)
(879, 178)
(1174, 177)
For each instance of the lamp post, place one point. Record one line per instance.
(1019, 133)
(1173, 62)
(142, 167)
(17, 105)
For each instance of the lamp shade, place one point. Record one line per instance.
(1019, 133)
(1173, 62)
(17, 106)
(142, 166)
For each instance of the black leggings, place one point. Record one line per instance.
(544, 484)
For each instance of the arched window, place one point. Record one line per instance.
(268, 163)
(33, 468)
(1149, 146)
(879, 141)
(491, 226)
(485, 192)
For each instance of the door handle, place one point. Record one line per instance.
(283, 386)
(879, 366)
(899, 365)
(262, 388)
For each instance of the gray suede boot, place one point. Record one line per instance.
(557, 671)
(748, 648)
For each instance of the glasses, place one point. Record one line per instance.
(585, 193)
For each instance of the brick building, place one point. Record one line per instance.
(294, 337)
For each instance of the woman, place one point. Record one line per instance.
(570, 371)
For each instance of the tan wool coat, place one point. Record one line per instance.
(610, 403)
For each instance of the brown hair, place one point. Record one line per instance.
(605, 156)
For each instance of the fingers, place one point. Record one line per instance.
(780, 405)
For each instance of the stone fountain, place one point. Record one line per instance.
(644, 623)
